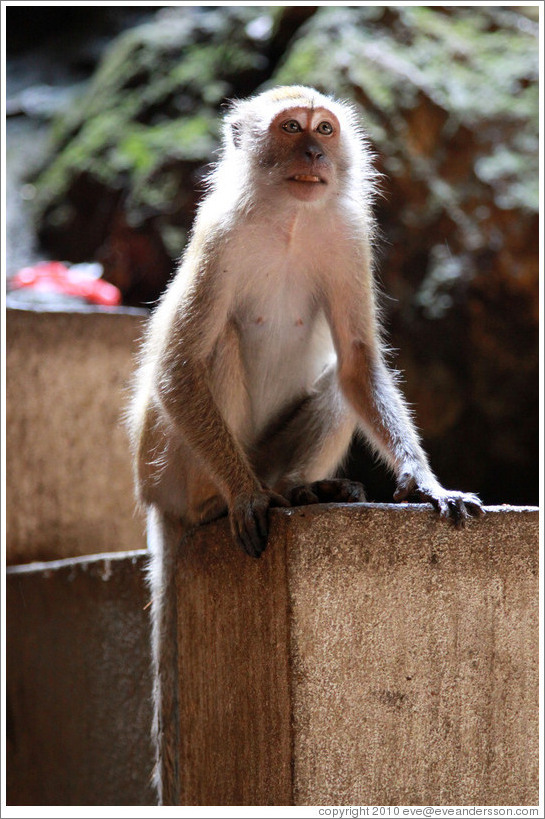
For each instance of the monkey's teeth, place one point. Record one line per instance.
(305, 177)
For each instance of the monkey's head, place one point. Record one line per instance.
(298, 143)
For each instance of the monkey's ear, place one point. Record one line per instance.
(236, 133)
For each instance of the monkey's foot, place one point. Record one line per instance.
(334, 490)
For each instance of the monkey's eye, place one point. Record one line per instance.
(325, 128)
(291, 126)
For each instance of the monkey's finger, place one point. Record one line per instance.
(254, 543)
(256, 529)
(470, 498)
(475, 510)
(458, 513)
(261, 523)
(356, 492)
(243, 535)
(441, 506)
(278, 500)
(401, 492)
(245, 543)
(303, 496)
(243, 540)
(474, 506)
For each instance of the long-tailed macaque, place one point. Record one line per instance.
(264, 356)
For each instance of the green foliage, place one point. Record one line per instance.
(449, 97)
(153, 102)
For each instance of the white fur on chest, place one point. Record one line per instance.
(285, 341)
(273, 265)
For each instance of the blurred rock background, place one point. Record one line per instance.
(113, 118)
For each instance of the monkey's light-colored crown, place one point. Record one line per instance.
(291, 96)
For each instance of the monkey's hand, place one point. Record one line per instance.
(456, 507)
(249, 519)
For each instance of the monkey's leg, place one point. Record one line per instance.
(303, 448)
(164, 535)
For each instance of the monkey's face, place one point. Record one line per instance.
(301, 152)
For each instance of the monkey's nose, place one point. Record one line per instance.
(313, 152)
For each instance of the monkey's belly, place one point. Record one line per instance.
(282, 367)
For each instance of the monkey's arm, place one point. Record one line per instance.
(369, 385)
(184, 393)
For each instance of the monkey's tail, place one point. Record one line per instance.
(164, 535)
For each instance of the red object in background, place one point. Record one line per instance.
(56, 277)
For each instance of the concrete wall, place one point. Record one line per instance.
(69, 482)
(78, 683)
(373, 656)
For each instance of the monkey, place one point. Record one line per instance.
(266, 355)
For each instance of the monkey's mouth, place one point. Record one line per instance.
(307, 177)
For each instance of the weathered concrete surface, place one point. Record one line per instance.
(372, 656)
(78, 683)
(234, 650)
(69, 482)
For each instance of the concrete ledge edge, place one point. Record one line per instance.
(83, 561)
(75, 309)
